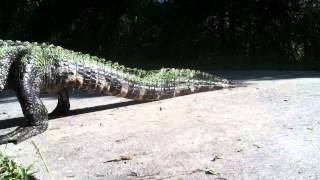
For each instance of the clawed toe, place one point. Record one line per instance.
(22, 133)
(5, 139)
(58, 113)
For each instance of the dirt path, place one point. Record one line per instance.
(267, 130)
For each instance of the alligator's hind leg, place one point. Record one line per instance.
(27, 90)
(63, 105)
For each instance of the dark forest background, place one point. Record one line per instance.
(225, 34)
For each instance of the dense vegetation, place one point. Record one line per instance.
(153, 33)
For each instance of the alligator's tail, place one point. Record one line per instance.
(151, 93)
(139, 84)
(95, 74)
(168, 88)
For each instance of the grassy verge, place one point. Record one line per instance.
(10, 170)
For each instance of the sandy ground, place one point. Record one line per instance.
(269, 129)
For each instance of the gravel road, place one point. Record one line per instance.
(267, 129)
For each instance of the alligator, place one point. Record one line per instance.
(31, 68)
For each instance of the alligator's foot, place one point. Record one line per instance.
(63, 105)
(22, 133)
(59, 111)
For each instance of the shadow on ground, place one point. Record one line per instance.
(20, 121)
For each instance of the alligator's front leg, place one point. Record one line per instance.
(27, 90)
(63, 105)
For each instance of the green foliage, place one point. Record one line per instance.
(10, 170)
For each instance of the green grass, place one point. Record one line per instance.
(10, 170)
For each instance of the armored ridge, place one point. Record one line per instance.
(31, 68)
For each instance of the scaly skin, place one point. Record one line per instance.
(31, 68)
